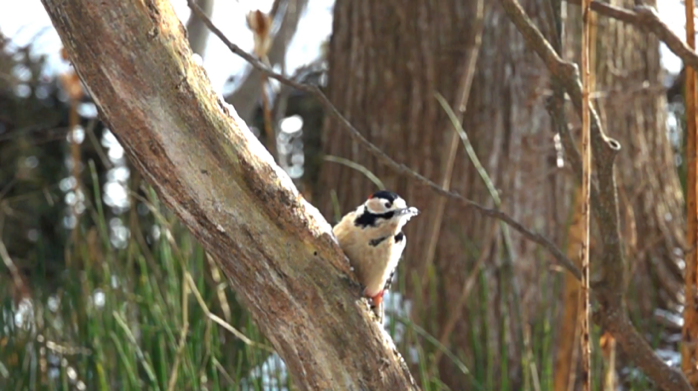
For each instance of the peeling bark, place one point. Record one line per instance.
(206, 165)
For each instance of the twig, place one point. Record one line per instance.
(242, 337)
(216, 275)
(586, 182)
(285, 16)
(14, 271)
(646, 18)
(260, 24)
(331, 110)
(612, 313)
(268, 128)
(145, 362)
(182, 336)
(358, 167)
(223, 372)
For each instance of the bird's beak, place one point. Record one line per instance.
(411, 211)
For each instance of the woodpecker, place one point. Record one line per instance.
(371, 237)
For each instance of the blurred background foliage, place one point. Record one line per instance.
(102, 287)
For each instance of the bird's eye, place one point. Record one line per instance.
(387, 205)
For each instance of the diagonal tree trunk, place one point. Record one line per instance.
(206, 165)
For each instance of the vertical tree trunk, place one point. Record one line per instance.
(386, 63)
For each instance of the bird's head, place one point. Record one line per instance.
(384, 207)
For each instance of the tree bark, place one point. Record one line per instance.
(277, 250)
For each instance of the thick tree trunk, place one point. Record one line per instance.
(205, 164)
(386, 62)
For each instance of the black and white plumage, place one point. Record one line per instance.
(371, 236)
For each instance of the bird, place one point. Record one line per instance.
(371, 237)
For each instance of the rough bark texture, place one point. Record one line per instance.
(206, 165)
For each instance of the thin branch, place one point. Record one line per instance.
(242, 337)
(331, 110)
(586, 182)
(358, 167)
(14, 270)
(285, 15)
(646, 18)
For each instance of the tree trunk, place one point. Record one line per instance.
(206, 165)
(385, 64)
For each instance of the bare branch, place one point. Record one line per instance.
(586, 193)
(331, 110)
(646, 18)
(245, 98)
